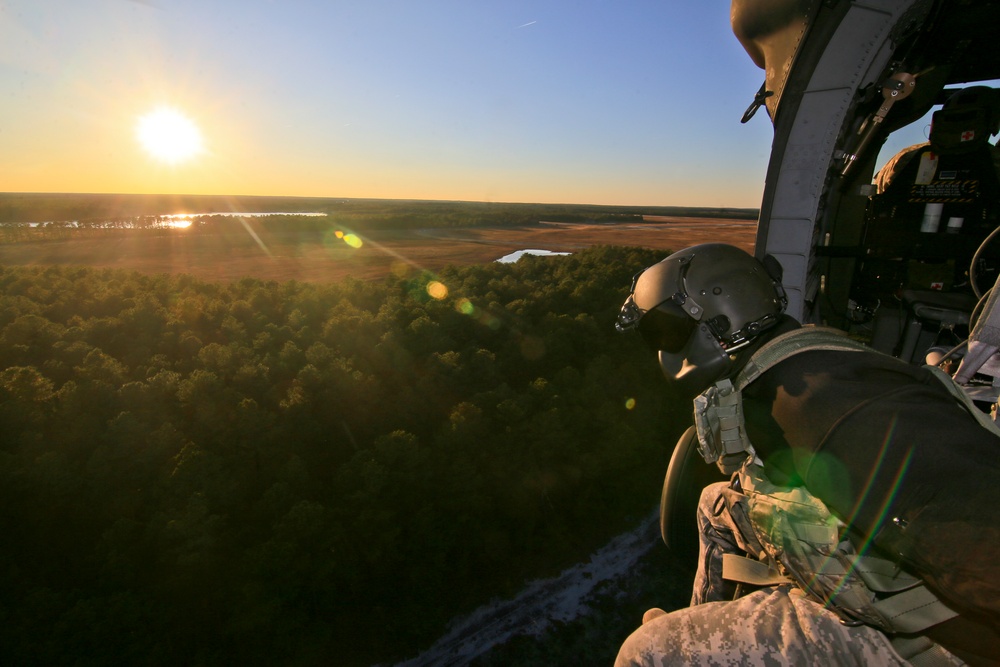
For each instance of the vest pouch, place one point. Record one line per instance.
(797, 531)
(807, 542)
(718, 419)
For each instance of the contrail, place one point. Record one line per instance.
(526, 25)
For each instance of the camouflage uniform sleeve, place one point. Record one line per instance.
(718, 534)
(773, 626)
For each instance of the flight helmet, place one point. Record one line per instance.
(698, 307)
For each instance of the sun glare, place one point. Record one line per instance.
(168, 135)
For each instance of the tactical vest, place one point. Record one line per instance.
(795, 537)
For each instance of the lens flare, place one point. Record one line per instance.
(437, 290)
(350, 239)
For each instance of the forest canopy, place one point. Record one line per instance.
(263, 472)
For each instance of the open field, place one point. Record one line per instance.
(309, 257)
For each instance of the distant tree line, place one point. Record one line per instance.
(290, 473)
(45, 207)
(361, 214)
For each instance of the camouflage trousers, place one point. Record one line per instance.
(777, 625)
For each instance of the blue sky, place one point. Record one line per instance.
(591, 101)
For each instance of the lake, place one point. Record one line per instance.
(514, 256)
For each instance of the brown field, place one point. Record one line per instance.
(229, 256)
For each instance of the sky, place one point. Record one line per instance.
(630, 102)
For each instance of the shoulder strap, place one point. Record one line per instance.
(920, 651)
(791, 343)
(826, 338)
(718, 411)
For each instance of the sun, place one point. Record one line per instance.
(168, 135)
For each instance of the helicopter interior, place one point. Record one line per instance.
(903, 262)
(929, 252)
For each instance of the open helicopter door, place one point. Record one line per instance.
(830, 61)
(840, 76)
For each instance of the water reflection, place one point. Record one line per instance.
(230, 214)
(165, 220)
(184, 220)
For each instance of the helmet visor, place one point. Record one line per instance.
(667, 327)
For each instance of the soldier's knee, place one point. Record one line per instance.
(651, 644)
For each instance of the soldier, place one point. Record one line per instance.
(860, 508)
